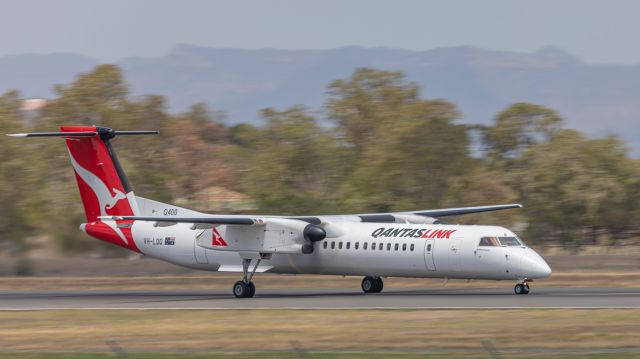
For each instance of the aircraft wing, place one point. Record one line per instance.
(421, 215)
(205, 219)
(463, 210)
(389, 217)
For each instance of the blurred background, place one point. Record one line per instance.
(288, 107)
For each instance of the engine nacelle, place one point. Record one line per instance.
(313, 233)
(276, 235)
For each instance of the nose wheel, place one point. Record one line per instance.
(372, 285)
(521, 288)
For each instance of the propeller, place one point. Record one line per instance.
(312, 233)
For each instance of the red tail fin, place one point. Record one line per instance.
(104, 188)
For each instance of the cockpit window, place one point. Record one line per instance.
(510, 242)
(489, 242)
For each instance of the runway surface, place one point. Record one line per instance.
(325, 299)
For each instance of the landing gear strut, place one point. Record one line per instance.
(244, 288)
(521, 288)
(372, 285)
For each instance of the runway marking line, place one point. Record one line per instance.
(306, 308)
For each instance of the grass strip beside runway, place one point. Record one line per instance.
(325, 355)
(275, 281)
(158, 331)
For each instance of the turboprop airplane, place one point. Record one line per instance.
(374, 245)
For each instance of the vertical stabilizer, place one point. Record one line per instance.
(103, 186)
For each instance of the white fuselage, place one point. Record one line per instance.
(401, 250)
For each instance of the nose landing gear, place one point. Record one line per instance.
(521, 288)
(372, 285)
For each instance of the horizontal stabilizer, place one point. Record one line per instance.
(99, 131)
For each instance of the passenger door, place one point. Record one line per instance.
(428, 254)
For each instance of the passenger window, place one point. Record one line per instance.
(325, 244)
(364, 246)
(388, 246)
(411, 247)
(340, 245)
(357, 245)
(333, 245)
(489, 242)
(373, 246)
(380, 246)
(396, 247)
(348, 245)
(404, 247)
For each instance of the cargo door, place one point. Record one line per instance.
(200, 253)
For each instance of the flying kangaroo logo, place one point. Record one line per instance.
(216, 238)
(105, 199)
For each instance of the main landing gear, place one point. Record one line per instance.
(521, 288)
(372, 285)
(244, 288)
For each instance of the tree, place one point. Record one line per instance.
(518, 127)
(95, 98)
(405, 148)
(571, 184)
(13, 173)
(367, 101)
(294, 165)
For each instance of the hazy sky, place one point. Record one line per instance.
(596, 31)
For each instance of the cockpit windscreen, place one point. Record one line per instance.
(510, 241)
(500, 242)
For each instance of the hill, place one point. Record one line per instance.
(596, 99)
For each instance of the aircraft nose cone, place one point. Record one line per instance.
(542, 270)
(538, 267)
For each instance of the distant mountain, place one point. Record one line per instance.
(597, 99)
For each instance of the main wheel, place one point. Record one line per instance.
(243, 290)
(252, 290)
(526, 288)
(369, 285)
(519, 288)
(379, 285)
